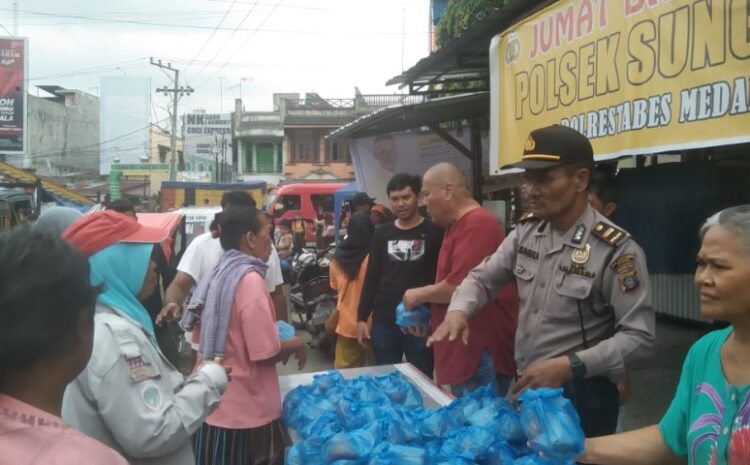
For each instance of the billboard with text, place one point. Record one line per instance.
(205, 135)
(13, 65)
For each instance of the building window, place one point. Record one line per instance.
(247, 152)
(305, 146)
(163, 151)
(264, 158)
(200, 167)
(338, 152)
(260, 158)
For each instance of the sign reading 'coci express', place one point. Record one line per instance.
(634, 76)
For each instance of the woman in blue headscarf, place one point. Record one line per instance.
(129, 396)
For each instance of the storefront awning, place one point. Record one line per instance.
(399, 118)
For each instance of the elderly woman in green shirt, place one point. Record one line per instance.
(708, 422)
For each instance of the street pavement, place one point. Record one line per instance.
(652, 385)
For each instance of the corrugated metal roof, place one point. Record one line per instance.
(410, 116)
(467, 57)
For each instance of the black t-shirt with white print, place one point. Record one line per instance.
(400, 259)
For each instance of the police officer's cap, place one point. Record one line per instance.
(554, 146)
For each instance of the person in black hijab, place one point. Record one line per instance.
(347, 275)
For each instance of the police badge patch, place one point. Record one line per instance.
(624, 266)
(151, 395)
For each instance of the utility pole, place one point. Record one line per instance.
(220, 158)
(224, 170)
(176, 92)
(216, 159)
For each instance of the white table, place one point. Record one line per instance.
(432, 396)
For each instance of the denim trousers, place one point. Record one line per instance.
(390, 346)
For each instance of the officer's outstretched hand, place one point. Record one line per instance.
(455, 324)
(548, 373)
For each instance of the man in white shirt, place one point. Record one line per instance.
(201, 257)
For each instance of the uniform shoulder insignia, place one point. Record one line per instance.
(527, 217)
(609, 233)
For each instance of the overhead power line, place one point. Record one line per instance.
(136, 64)
(268, 16)
(226, 41)
(295, 7)
(192, 26)
(213, 33)
(97, 144)
(98, 70)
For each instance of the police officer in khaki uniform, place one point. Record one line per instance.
(585, 306)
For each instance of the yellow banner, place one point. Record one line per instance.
(634, 76)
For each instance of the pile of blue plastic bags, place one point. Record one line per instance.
(382, 421)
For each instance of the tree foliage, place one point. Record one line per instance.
(461, 14)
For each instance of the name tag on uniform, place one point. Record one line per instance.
(528, 252)
(577, 270)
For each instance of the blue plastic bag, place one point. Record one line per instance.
(395, 454)
(437, 424)
(509, 426)
(534, 459)
(495, 414)
(305, 452)
(417, 316)
(381, 421)
(360, 414)
(454, 461)
(469, 443)
(328, 380)
(354, 445)
(500, 453)
(323, 427)
(292, 403)
(286, 331)
(399, 390)
(368, 389)
(551, 423)
(308, 412)
(464, 407)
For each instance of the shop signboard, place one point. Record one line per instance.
(634, 76)
(208, 134)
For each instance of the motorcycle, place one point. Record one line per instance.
(312, 299)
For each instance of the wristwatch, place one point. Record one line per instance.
(577, 366)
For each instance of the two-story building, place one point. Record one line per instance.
(258, 143)
(289, 142)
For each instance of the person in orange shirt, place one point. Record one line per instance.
(347, 275)
(379, 214)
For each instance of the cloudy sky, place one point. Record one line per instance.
(223, 46)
